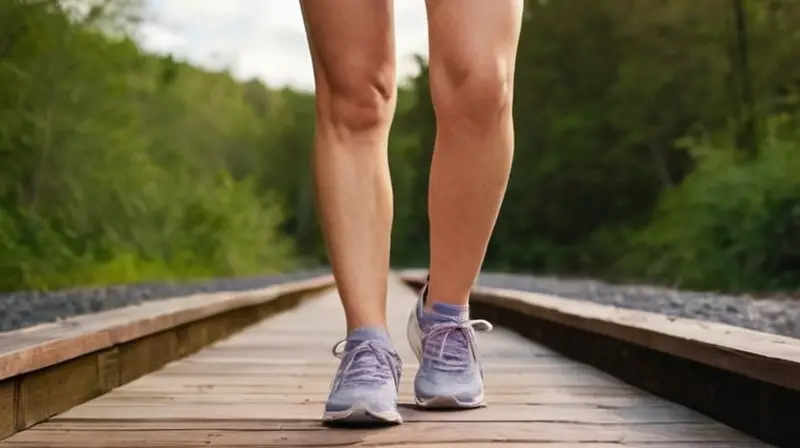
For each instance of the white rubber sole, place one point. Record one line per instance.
(361, 414)
(445, 402)
(414, 336)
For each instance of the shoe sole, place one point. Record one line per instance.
(414, 336)
(361, 415)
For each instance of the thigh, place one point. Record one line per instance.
(351, 43)
(477, 38)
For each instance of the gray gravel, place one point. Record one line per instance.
(23, 309)
(773, 315)
(779, 315)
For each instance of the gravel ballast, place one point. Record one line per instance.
(772, 315)
(24, 309)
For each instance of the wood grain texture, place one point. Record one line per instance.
(46, 381)
(88, 434)
(44, 345)
(266, 386)
(745, 379)
(763, 356)
(8, 406)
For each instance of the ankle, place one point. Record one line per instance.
(368, 333)
(359, 322)
(433, 295)
(445, 308)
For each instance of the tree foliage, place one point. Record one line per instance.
(120, 166)
(654, 141)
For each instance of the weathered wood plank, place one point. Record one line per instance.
(8, 406)
(51, 368)
(29, 349)
(230, 408)
(45, 393)
(266, 386)
(764, 356)
(746, 379)
(606, 397)
(123, 433)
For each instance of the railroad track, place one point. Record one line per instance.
(252, 370)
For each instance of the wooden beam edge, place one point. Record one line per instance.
(33, 396)
(30, 349)
(742, 378)
(762, 356)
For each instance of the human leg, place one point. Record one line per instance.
(352, 49)
(473, 53)
(473, 46)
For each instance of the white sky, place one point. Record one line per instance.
(261, 38)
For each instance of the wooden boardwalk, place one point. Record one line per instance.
(266, 386)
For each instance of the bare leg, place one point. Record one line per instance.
(473, 46)
(352, 48)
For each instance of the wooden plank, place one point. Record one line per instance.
(53, 382)
(746, 379)
(188, 433)
(8, 406)
(45, 393)
(610, 398)
(260, 388)
(500, 382)
(763, 356)
(208, 365)
(224, 408)
(29, 349)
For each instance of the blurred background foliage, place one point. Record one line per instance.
(656, 142)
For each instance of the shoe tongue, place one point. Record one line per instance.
(444, 311)
(451, 346)
(363, 334)
(366, 367)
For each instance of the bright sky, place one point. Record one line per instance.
(261, 38)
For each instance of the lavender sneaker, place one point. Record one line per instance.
(364, 390)
(450, 374)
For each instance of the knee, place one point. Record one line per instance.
(359, 98)
(475, 91)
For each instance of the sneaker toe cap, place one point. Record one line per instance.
(463, 388)
(377, 400)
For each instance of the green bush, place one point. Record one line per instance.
(120, 166)
(732, 224)
(221, 231)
